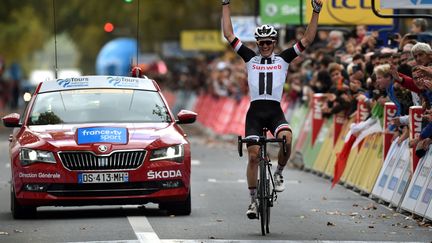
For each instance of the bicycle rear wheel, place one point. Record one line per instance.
(263, 197)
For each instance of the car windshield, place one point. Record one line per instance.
(98, 105)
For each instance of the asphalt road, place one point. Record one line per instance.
(308, 210)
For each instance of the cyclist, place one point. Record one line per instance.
(267, 72)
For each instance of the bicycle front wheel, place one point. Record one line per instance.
(263, 197)
(268, 205)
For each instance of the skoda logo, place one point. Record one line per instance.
(102, 148)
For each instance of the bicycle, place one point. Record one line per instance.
(265, 197)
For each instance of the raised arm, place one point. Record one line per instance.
(227, 28)
(311, 30)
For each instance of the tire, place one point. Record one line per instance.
(268, 206)
(178, 208)
(19, 211)
(262, 195)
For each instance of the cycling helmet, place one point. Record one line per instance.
(265, 31)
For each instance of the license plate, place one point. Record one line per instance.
(114, 177)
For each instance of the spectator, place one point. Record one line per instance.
(422, 54)
(184, 92)
(322, 82)
(418, 26)
(221, 80)
(360, 33)
(335, 42)
(421, 78)
(321, 40)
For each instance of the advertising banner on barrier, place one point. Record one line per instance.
(303, 134)
(424, 178)
(395, 177)
(416, 186)
(402, 188)
(317, 116)
(386, 169)
(362, 111)
(389, 112)
(338, 122)
(428, 213)
(427, 196)
(415, 125)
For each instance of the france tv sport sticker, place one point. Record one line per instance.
(102, 135)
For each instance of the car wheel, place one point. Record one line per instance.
(19, 211)
(179, 207)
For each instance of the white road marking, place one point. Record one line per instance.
(237, 241)
(212, 180)
(258, 241)
(143, 230)
(195, 162)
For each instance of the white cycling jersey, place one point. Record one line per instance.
(266, 76)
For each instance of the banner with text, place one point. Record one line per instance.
(201, 40)
(280, 11)
(349, 12)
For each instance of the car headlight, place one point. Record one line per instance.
(174, 153)
(30, 156)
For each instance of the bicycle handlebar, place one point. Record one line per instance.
(261, 141)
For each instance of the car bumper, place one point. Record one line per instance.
(64, 187)
(102, 194)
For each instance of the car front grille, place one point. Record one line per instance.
(118, 160)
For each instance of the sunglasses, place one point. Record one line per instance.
(266, 42)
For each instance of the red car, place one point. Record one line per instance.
(99, 140)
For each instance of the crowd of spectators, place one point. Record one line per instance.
(346, 67)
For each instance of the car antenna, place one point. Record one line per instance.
(55, 39)
(137, 32)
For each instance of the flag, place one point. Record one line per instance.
(342, 157)
(374, 127)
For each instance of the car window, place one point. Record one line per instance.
(98, 105)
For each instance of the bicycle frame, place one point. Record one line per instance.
(265, 197)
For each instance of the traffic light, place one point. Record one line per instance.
(127, 1)
(108, 27)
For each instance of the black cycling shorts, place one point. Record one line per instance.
(265, 113)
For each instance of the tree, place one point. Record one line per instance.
(26, 25)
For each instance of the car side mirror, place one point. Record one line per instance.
(186, 117)
(12, 120)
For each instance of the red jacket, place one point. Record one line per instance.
(408, 83)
